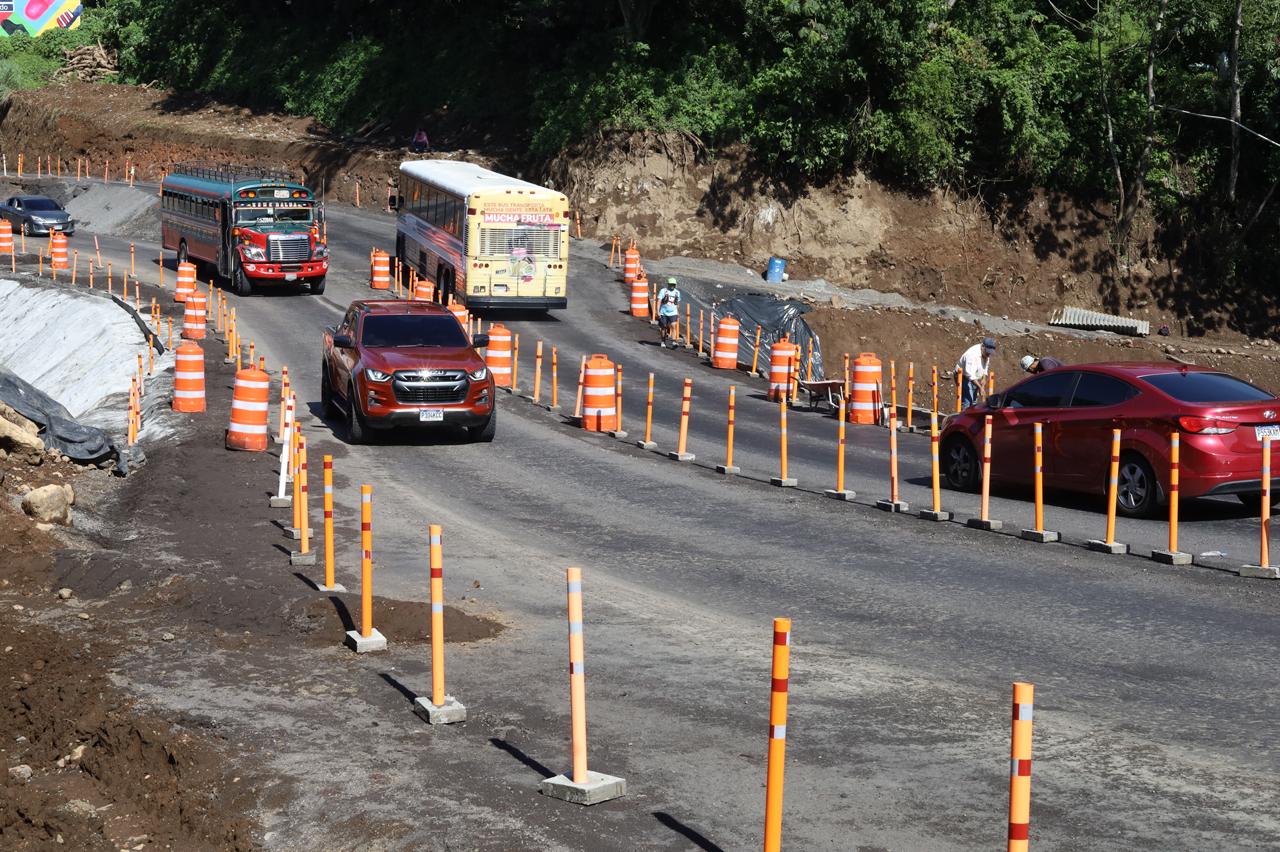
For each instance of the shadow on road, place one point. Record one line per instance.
(408, 693)
(693, 836)
(519, 755)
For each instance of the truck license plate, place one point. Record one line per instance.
(430, 415)
(291, 276)
(1271, 430)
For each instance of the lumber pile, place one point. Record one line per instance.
(88, 63)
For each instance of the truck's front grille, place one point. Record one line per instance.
(430, 393)
(288, 249)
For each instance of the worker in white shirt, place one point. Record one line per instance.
(974, 365)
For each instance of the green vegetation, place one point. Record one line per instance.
(974, 95)
(28, 63)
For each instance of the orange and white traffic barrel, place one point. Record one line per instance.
(194, 316)
(249, 411)
(867, 372)
(630, 265)
(782, 357)
(423, 290)
(380, 271)
(461, 314)
(724, 354)
(640, 295)
(58, 251)
(186, 282)
(6, 237)
(188, 377)
(497, 355)
(599, 395)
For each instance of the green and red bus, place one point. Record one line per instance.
(256, 227)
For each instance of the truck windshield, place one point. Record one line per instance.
(268, 215)
(403, 330)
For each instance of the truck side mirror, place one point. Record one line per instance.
(480, 341)
(995, 402)
(343, 341)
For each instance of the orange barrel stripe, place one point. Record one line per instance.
(782, 356)
(724, 352)
(577, 677)
(188, 378)
(380, 270)
(777, 734)
(1020, 768)
(423, 290)
(497, 355)
(194, 316)
(186, 281)
(630, 265)
(58, 251)
(249, 411)
(640, 295)
(599, 395)
(6, 237)
(866, 385)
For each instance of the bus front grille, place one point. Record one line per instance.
(536, 242)
(290, 249)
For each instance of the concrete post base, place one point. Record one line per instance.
(375, 641)
(892, 506)
(281, 502)
(599, 788)
(681, 457)
(300, 558)
(336, 587)
(1258, 572)
(1114, 547)
(839, 495)
(647, 445)
(618, 433)
(552, 408)
(728, 471)
(1040, 536)
(1171, 557)
(782, 483)
(452, 710)
(988, 525)
(930, 515)
(295, 533)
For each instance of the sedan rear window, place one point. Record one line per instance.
(392, 330)
(1206, 387)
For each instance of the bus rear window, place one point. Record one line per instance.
(1206, 388)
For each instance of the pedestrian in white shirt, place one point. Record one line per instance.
(973, 366)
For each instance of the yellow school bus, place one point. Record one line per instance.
(487, 240)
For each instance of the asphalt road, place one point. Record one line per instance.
(1155, 685)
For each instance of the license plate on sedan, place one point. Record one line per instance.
(1271, 430)
(430, 415)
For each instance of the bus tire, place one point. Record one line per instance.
(317, 285)
(244, 287)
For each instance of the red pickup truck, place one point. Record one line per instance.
(395, 363)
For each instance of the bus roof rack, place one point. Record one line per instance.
(231, 172)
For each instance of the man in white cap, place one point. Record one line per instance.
(1034, 364)
(974, 365)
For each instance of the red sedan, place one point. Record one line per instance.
(1221, 420)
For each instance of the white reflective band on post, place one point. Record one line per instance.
(1022, 712)
(186, 375)
(435, 539)
(575, 627)
(186, 394)
(249, 406)
(575, 587)
(248, 383)
(437, 607)
(328, 489)
(575, 668)
(777, 732)
(248, 428)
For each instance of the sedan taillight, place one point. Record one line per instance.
(1206, 425)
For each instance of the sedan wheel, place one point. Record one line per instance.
(960, 464)
(1136, 490)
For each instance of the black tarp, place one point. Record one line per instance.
(58, 429)
(775, 317)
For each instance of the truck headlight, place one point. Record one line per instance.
(376, 375)
(321, 251)
(479, 375)
(253, 253)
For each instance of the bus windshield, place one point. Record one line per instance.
(268, 215)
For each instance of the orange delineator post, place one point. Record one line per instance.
(911, 393)
(1174, 461)
(1113, 485)
(782, 480)
(701, 319)
(839, 491)
(555, 380)
(648, 443)
(893, 504)
(1264, 554)
(755, 351)
(367, 638)
(986, 468)
(1039, 476)
(728, 467)
(688, 325)
(304, 515)
(1020, 768)
(686, 400)
(443, 708)
(959, 393)
(582, 377)
(618, 432)
(777, 735)
(329, 584)
(935, 513)
(537, 373)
